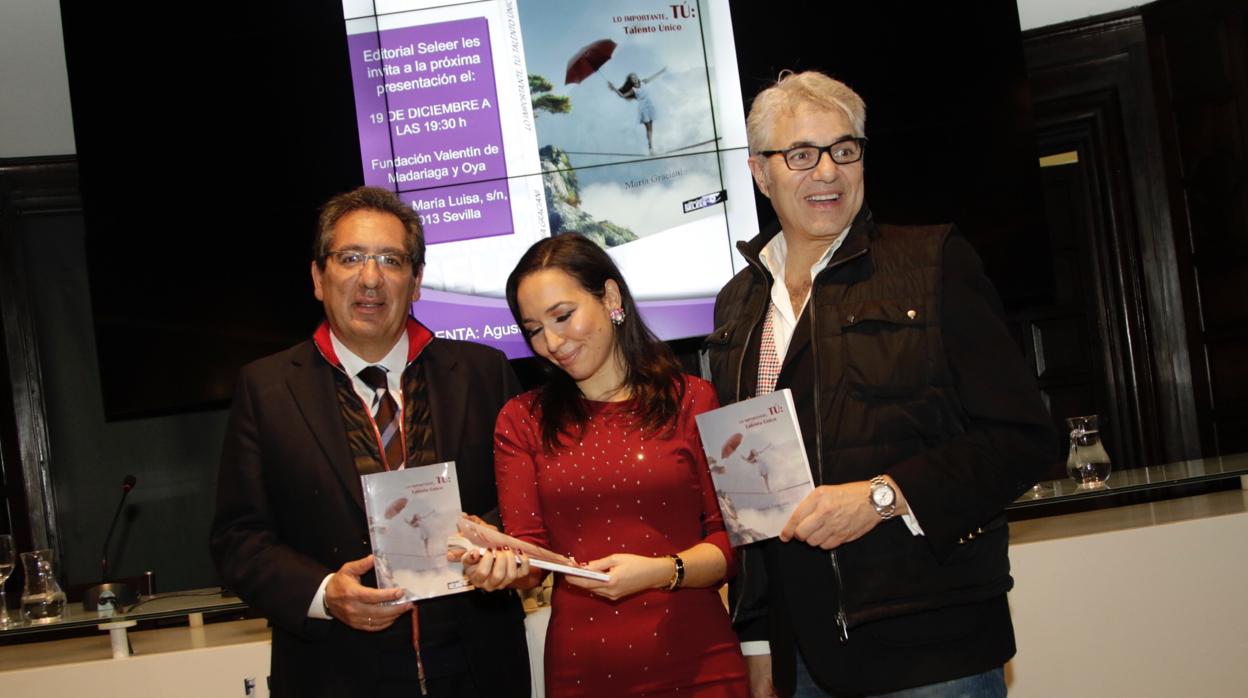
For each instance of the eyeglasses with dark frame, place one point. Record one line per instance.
(845, 151)
(353, 260)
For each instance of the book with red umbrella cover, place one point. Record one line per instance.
(410, 514)
(758, 463)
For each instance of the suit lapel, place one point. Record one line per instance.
(311, 384)
(447, 400)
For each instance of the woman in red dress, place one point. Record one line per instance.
(604, 464)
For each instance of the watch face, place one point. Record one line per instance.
(882, 495)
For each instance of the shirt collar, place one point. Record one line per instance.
(417, 337)
(776, 252)
(394, 361)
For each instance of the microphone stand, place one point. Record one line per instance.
(111, 596)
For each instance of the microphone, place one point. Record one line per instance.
(126, 486)
(109, 596)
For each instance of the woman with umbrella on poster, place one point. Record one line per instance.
(593, 56)
(635, 88)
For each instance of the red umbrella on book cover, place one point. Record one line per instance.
(731, 445)
(395, 507)
(588, 60)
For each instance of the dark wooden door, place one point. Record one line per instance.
(1063, 338)
(1112, 339)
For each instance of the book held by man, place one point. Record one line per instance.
(758, 463)
(411, 513)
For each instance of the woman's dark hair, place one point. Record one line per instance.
(629, 83)
(651, 372)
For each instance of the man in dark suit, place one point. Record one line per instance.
(290, 532)
(920, 420)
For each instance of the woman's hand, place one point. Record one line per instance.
(629, 575)
(491, 570)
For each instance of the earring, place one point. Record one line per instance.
(617, 316)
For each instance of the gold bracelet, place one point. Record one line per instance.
(678, 574)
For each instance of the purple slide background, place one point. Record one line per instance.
(374, 137)
(488, 321)
(435, 155)
(462, 212)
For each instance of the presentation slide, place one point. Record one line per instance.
(503, 122)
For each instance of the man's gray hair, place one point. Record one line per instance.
(369, 199)
(795, 89)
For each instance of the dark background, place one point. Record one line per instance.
(204, 153)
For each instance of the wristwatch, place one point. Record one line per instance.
(883, 498)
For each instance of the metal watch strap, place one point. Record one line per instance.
(885, 512)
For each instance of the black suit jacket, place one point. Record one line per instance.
(290, 510)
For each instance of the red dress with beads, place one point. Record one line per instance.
(616, 490)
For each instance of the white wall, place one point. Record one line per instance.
(34, 89)
(1142, 600)
(1042, 13)
(34, 92)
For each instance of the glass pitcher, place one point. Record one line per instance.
(1088, 463)
(42, 598)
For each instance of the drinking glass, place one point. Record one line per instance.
(1088, 463)
(8, 558)
(42, 599)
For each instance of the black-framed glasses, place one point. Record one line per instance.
(353, 260)
(846, 151)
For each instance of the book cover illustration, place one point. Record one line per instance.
(411, 513)
(758, 463)
(475, 535)
(624, 116)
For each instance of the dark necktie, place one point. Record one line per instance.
(387, 417)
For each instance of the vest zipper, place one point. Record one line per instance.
(741, 362)
(743, 574)
(740, 369)
(814, 357)
(842, 625)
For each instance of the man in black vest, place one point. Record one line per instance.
(290, 533)
(920, 419)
